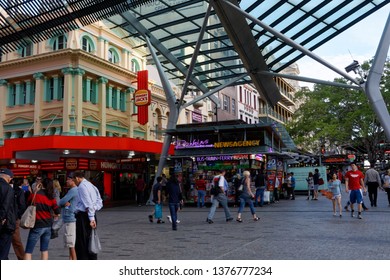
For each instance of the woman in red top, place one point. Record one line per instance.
(46, 204)
(200, 185)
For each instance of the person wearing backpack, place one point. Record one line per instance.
(88, 203)
(220, 197)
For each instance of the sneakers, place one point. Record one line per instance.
(209, 221)
(170, 219)
(229, 219)
(360, 217)
(150, 218)
(159, 221)
(352, 215)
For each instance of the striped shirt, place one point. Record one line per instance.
(45, 207)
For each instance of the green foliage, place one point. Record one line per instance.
(339, 116)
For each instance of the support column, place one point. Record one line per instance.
(3, 107)
(102, 105)
(68, 117)
(78, 100)
(39, 92)
(129, 100)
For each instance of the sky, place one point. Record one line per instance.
(359, 43)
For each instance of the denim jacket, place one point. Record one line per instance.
(68, 212)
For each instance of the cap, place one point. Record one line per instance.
(7, 172)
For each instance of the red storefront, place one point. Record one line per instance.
(55, 156)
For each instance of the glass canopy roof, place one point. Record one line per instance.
(177, 24)
(174, 27)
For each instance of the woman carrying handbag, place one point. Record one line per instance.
(45, 205)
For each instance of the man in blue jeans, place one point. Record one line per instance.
(220, 198)
(175, 198)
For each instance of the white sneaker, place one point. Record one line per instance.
(170, 220)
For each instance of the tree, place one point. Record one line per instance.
(339, 116)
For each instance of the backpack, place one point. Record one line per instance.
(215, 189)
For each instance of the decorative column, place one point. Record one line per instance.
(39, 92)
(102, 88)
(3, 107)
(78, 99)
(130, 101)
(18, 93)
(68, 118)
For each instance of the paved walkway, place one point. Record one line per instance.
(288, 230)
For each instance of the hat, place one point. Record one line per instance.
(7, 172)
(70, 175)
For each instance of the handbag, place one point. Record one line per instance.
(94, 246)
(28, 218)
(320, 181)
(241, 188)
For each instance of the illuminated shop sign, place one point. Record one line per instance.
(221, 158)
(183, 144)
(233, 144)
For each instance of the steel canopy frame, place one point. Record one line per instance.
(372, 87)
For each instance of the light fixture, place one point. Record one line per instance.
(34, 161)
(92, 151)
(131, 153)
(66, 152)
(12, 161)
(147, 158)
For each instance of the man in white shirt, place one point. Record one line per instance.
(87, 204)
(220, 198)
(372, 180)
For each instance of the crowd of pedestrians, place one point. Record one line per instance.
(76, 210)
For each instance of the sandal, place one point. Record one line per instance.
(239, 220)
(256, 219)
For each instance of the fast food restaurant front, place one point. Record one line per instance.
(235, 146)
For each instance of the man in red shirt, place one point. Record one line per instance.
(354, 182)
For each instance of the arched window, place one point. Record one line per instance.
(87, 44)
(135, 65)
(26, 50)
(113, 56)
(59, 43)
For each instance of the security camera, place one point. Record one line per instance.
(352, 67)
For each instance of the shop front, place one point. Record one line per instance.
(234, 146)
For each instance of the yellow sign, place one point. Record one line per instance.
(233, 144)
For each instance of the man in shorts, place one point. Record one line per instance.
(68, 207)
(354, 182)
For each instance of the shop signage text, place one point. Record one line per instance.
(183, 144)
(221, 158)
(232, 144)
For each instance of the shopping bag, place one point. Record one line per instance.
(28, 218)
(94, 245)
(266, 196)
(158, 211)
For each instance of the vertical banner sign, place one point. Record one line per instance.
(142, 96)
(271, 173)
